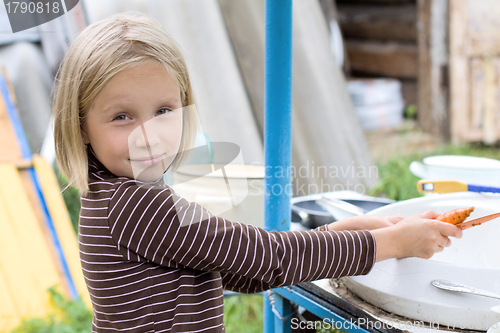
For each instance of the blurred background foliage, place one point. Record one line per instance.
(67, 317)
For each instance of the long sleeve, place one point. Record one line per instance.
(156, 224)
(243, 284)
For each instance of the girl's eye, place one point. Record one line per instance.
(163, 111)
(121, 117)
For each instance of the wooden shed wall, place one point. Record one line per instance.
(446, 52)
(474, 44)
(381, 40)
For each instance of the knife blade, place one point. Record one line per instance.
(478, 221)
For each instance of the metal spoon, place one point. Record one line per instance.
(454, 286)
(340, 209)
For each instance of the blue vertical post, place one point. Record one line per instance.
(277, 137)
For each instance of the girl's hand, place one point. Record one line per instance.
(416, 236)
(369, 222)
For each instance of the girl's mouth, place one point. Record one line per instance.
(148, 160)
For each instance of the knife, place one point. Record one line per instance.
(478, 221)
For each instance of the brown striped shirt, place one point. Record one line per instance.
(154, 262)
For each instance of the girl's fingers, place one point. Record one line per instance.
(429, 214)
(446, 242)
(446, 229)
(439, 247)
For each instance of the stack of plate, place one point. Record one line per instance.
(378, 103)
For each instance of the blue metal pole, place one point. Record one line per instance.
(277, 136)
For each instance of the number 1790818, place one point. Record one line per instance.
(32, 7)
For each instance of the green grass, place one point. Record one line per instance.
(244, 313)
(67, 317)
(71, 198)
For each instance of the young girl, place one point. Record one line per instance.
(152, 261)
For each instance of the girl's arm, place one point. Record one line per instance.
(243, 284)
(416, 236)
(160, 226)
(368, 222)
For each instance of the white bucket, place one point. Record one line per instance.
(469, 169)
(238, 196)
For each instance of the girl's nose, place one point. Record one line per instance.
(146, 135)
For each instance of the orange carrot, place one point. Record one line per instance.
(456, 216)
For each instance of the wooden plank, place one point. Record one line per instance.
(496, 63)
(484, 45)
(474, 50)
(433, 67)
(483, 119)
(388, 23)
(476, 95)
(482, 27)
(473, 135)
(62, 223)
(29, 239)
(425, 82)
(490, 102)
(385, 59)
(459, 71)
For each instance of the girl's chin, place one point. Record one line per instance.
(149, 174)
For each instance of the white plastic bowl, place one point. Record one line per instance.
(403, 286)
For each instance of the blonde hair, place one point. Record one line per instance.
(101, 51)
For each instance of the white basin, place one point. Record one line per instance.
(469, 169)
(402, 286)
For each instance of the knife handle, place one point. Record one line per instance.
(441, 186)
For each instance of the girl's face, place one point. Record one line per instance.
(135, 123)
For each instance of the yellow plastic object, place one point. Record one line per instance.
(62, 223)
(441, 186)
(27, 266)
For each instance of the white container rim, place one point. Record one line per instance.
(462, 162)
